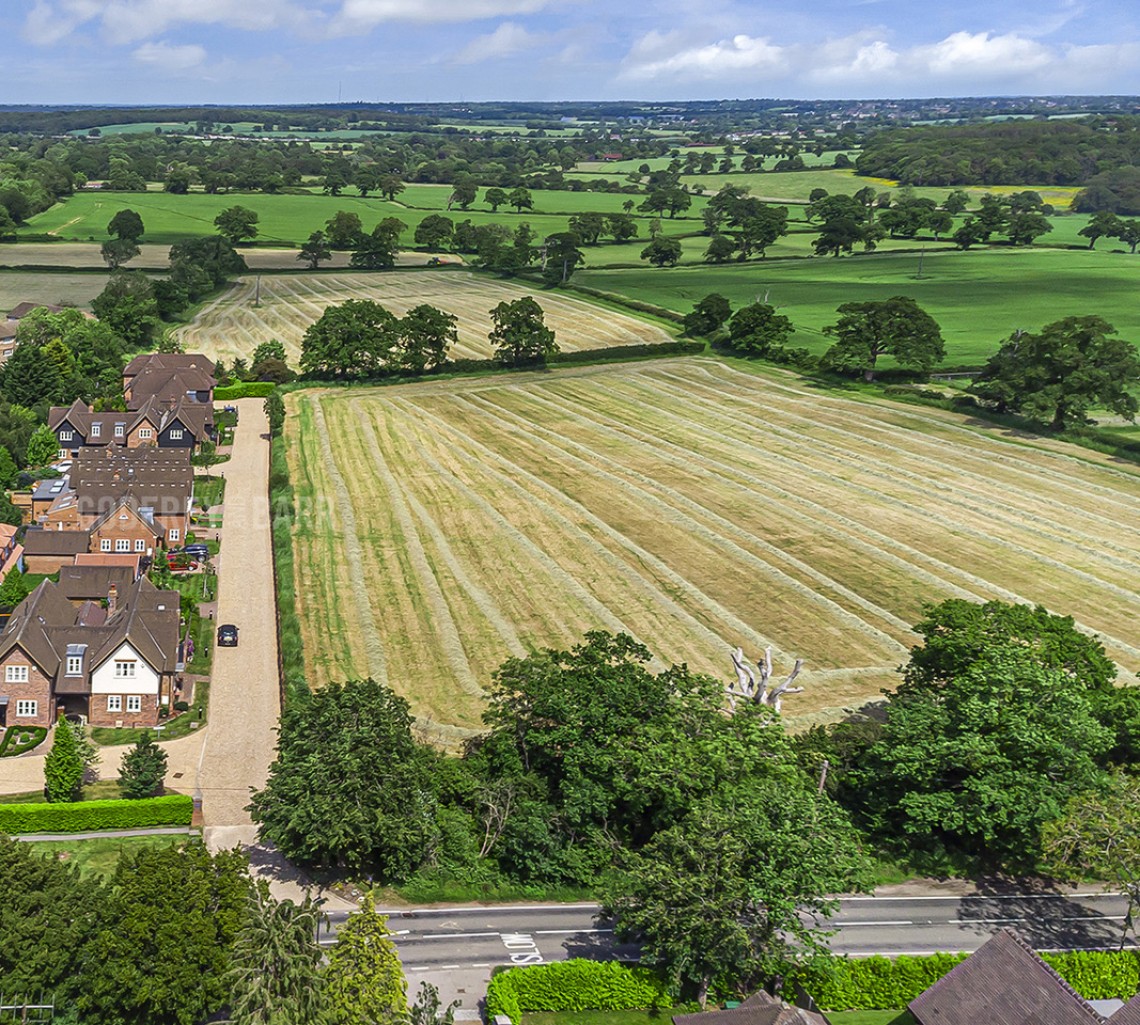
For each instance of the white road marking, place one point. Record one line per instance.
(566, 932)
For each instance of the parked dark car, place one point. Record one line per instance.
(195, 551)
(227, 636)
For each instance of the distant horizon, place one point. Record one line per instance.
(285, 52)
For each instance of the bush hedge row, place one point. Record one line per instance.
(881, 984)
(246, 390)
(18, 739)
(282, 515)
(93, 816)
(575, 985)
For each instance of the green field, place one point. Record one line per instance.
(978, 297)
(101, 856)
(288, 219)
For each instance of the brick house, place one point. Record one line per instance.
(117, 664)
(170, 378)
(46, 551)
(156, 484)
(80, 584)
(125, 529)
(181, 423)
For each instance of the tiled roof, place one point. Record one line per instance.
(758, 1009)
(55, 542)
(169, 361)
(1004, 982)
(1129, 1014)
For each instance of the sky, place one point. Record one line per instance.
(319, 51)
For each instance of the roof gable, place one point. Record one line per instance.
(1129, 1014)
(1004, 982)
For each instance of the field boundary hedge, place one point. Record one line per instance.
(245, 390)
(95, 816)
(575, 985)
(882, 984)
(282, 514)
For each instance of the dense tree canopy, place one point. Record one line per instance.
(1062, 372)
(897, 327)
(519, 334)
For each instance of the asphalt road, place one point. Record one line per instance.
(449, 939)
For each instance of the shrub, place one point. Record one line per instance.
(880, 984)
(182, 706)
(18, 739)
(575, 985)
(92, 816)
(246, 390)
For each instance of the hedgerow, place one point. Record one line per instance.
(247, 390)
(575, 985)
(880, 983)
(94, 816)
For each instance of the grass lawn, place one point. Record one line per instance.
(102, 790)
(978, 297)
(209, 491)
(100, 857)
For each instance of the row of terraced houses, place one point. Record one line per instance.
(104, 642)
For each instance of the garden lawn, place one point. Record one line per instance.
(978, 297)
(101, 856)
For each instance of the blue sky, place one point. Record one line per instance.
(286, 51)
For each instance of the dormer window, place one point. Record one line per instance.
(75, 659)
(119, 428)
(96, 430)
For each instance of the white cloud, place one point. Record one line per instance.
(361, 15)
(657, 56)
(129, 21)
(508, 39)
(967, 55)
(866, 63)
(169, 57)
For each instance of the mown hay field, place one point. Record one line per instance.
(696, 504)
(234, 324)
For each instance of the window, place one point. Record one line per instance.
(96, 430)
(16, 674)
(105, 544)
(27, 709)
(66, 435)
(122, 544)
(140, 545)
(134, 702)
(114, 703)
(124, 670)
(63, 453)
(119, 430)
(74, 665)
(173, 533)
(176, 433)
(145, 433)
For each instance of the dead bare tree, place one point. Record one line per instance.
(749, 688)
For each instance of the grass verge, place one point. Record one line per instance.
(282, 513)
(101, 856)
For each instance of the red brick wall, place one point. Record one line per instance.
(99, 716)
(38, 689)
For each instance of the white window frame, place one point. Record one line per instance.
(114, 702)
(140, 545)
(134, 703)
(27, 709)
(173, 534)
(96, 430)
(122, 544)
(176, 433)
(16, 674)
(145, 434)
(119, 429)
(66, 435)
(63, 453)
(74, 665)
(105, 544)
(125, 669)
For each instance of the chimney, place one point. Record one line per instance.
(112, 599)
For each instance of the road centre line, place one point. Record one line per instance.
(1007, 921)
(567, 932)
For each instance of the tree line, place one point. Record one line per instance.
(705, 829)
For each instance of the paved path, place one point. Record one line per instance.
(244, 692)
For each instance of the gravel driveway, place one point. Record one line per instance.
(244, 690)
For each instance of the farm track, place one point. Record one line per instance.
(693, 505)
(232, 326)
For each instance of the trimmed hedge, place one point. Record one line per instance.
(881, 984)
(575, 985)
(93, 816)
(18, 739)
(247, 390)
(681, 347)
